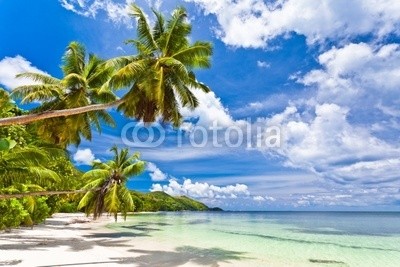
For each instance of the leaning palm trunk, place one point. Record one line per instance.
(25, 119)
(45, 193)
(99, 208)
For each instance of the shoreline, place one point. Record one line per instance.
(72, 239)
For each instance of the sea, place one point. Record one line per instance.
(269, 238)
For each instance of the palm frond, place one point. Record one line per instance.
(126, 201)
(74, 81)
(143, 29)
(120, 62)
(111, 200)
(176, 32)
(126, 75)
(140, 47)
(196, 55)
(159, 27)
(38, 77)
(134, 169)
(74, 59)
(96, 174)
(196, 84)
(37, 92)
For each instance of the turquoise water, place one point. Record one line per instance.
(272, 238)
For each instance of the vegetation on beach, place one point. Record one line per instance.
(159, 80)
(106, 184)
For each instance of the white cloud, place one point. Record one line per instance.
(155, 173)
(116, 11)
(344, 132)
(11, 66)
(84, 156)
(272, 102)
(252, 23)
(202, 190)
(327, 144)
(356, 71)
(263, 64)
(258, 198)
(209, 110)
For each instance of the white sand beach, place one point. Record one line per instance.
(75, 240)
(65, 240)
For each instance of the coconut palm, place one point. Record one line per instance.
(107, 184)
(160, 76)
(81, 86)
(25, 164)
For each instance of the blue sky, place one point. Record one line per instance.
(325, 73)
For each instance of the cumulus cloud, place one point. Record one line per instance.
(357, 71)
(329, 145)
(253, 23)
(344, 132)
(84, 156)
(202, 190)
(11, 66)
(155, 173)
(116, 11)
(209, 110)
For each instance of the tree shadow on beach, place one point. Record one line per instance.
(181, 255)
(86, 242)
(73, 244)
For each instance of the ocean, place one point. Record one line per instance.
(269, 238)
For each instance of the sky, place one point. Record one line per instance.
(304, 112)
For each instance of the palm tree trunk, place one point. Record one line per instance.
(99, 208)
(45, 193)
(25, 119)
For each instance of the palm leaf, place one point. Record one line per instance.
(37, 92)
(38, 77)
(143, 29)
(134, 169)
(74, 59)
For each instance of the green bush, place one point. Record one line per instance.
(13, 213)
(54, 203)
(41, 210)
(68, 206)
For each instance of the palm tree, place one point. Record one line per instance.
(160, 76)
(81, 86)
(107, 184)
(25, 164)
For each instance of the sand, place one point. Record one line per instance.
(71, 240)
(75, 240)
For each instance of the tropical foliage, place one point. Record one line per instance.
(107, 184)
(160, 76)
(28, 165)
(159, 80)
(82, 85)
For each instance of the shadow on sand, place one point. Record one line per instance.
(182, 255)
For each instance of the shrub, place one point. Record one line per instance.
(12, 213)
